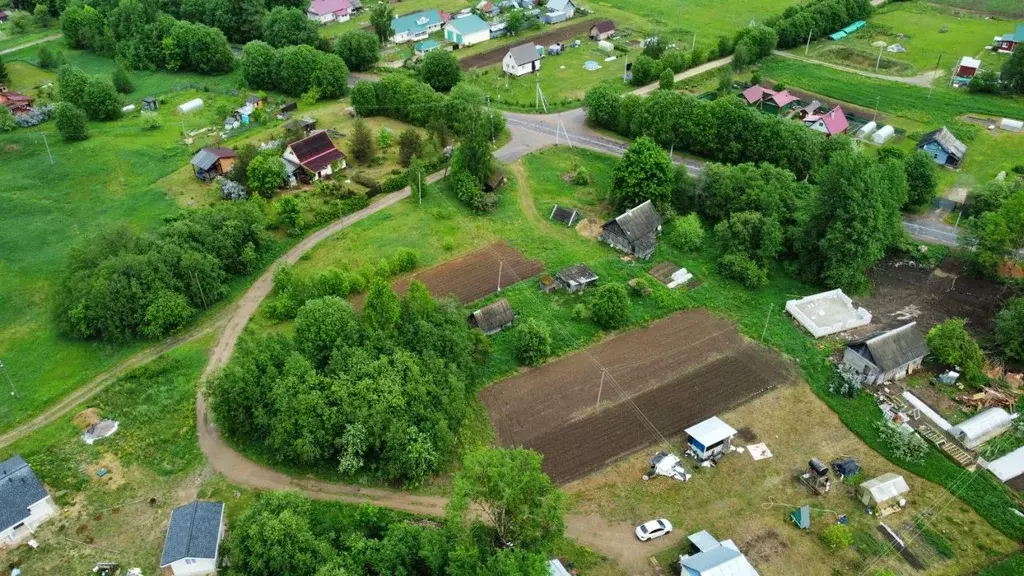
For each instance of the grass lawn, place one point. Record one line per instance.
(734, 500)
(147, 83)
(563, 87)
(1008, 8)
(921, 24)
(26, 77)
(105, 181)
(154, 454)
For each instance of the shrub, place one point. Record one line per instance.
(741, 268)
(532, 342)
(35, 116)
(581, 177)
(667, 79)
(1010, 329)
(836, 537)
(845, 382)
(6, 119)
(609, 306)
(122, 80)
(266, 175)
(904, 444)
(229, 189)
(687, 233)
(151, 121)
(71, 122)
(953, 345)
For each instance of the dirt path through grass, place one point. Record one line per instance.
(30, 44)
(924, 79)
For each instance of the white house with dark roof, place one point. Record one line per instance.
(635, 231)
(710, 557)
(193, 539)
(24, 502)
(889, 356)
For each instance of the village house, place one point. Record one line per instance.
(809, 110)
(493, 318)
(559, 11)
(209, 163)
(890, 356)
(24, 502)
(966, 69)
(521, 60)
(707, 556)
(16, 102)
(769, 99)
(467, 31)
(602, 30)
(416, 26)
(830, 124)
(635, 231)
(943, 147)
(488, 8)
(312, 158)
(325, 11)
(422, 48)
(193, 539)
(1009, 42)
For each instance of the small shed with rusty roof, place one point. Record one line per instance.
(493, 318)
(635, 231)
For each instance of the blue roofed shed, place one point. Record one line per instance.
(709, 557)
(426, 46)
(467, 30)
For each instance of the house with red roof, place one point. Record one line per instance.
(830, 123)
(16, 102)
(768, 99)
(312, 158)
(324, 11)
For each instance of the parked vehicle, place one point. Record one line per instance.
(653, 529)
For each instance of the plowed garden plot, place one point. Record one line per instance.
(472, 276)
(674, 373)
(494, 56)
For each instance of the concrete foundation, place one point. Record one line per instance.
(827, 313)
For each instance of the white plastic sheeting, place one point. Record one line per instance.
(867, 129)
(932, 415)
(190, 106)
(1011, 125)
(883, 135)
(882, 489)
(983, 426)
(1008, 467)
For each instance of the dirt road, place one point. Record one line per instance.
(32, 43)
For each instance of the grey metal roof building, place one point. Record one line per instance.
(949, 143)
(635, 231)
(524, 54)
(207, 157)
(193, 532)
(19, 489)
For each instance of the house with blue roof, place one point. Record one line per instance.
(24, 502)
(425, 46)
(1007, 42)
(416, 26)
(710, 557)
(193, 539)
(467, 31)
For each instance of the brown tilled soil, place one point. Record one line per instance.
(674, 373)
(494, 56)
(472, 276)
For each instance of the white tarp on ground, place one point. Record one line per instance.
(670, 465)
(679, 277)
(932, 415)
(827, 313)
(1008, 467)
(101, 429)
(759, 451)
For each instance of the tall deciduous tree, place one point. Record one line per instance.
(644, 173)
(441, 70)
(381, 16)
(70, 122)
(922, 178)
(359, 49)
(274, 537)
(1013, 72)
(364, 149)
(322, 324)
(289, 26)
(519, 502)
(953, 345)
(265, 174)
(260, 65)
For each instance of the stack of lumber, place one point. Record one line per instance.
(988, 398)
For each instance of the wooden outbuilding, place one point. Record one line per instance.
(889, 356)
(493, 318)
(209, 163)
(602, 30)
(635, 231)
(576, 278)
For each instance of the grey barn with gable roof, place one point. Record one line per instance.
(24, 502)
(888, 356)
(635, 231)
(193, 538)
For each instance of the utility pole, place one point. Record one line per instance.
(808, 49)
(599, 388)
(489, 123)
(879, 61)
(47, 147)
(877, 100)
(694, 46)
(501, 264)
(9, 381)
(765, 330)
(419, 184)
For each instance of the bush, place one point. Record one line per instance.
(952, 345)
(71, 122)
(845, 382)
(609, 306)
(836, 537)
(35, 116)
(905, 445)
(687, 233)
(266, 174)
(1010, 329)
(122, 80)
(741, 268)
(6, 119)
(581, 177)
(532, 342)
(667, 80)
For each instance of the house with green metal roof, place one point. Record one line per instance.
(425, 46)
(1008, 42)
(467, 30)
(416, 26)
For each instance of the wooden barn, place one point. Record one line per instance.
(635, 231)
(493, 318)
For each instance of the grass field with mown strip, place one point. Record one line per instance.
(1008, 8)
(9, 40)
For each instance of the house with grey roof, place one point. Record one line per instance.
(24, 502)
(521, 60)
(575, 278)
(710, 557)
(211, 162)
(943, 147)
(559, 11)
(888, 356)
(193, 539)
(493, 318)
(635, 231)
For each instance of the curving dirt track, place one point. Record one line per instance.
(600, 404)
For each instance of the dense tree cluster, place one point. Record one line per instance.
(818, 19)
(753, 44)
(294, 70)
(723, 130)
(441, 70)
(122, 284)
(359, 49)
(995, 228)
(143, 37)
(285, 26)
(382, 392)
(952, 345)
(70, 121)
(95, 95)
(1010, 329)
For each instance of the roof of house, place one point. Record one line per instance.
(885, 487)
(559, 5)
(494, 316)
(711, 431)
(19, 489)
(604, 26)
(425, 45)
(524, 53)
(316, 152)
(783, 98)
(945, 139)
(578, 273)
(756, 93)
(207, 157)
(193, 532)
(715, 558)
(1010, 466)
(1016, 36)
(322, 7)
(812, 107)
(703, 540)
(468, 24)
(16, 96)
(416, 21)
(969, 62)
(563, 214)
(638, 221)
(895, 348)
(835, 121)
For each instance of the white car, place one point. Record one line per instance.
(653, 529)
